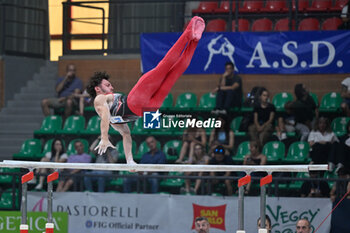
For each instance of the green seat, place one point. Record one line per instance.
(331, 175)
(168, 102)
(143, 148)
(73, 125)
(297, 153)
(331, 102)
(118, 182)
(6, 200)
(314, 97)
(93, 126)
(120, 148)
(280, 99)
(138, 128)
(71, 149)
(295, 186)
(172, 183)
(30, 150)
(186, 101)
(274, 151)
(339, 125)
(7, 179)
(49, 126)
(235, 124)
(242, 150)
(207, 101)
(176, 144)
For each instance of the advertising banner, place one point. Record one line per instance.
(129, 213)
(11, 220)
(303, 52)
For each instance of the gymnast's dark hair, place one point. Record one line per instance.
(95, 81)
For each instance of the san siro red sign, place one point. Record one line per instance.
(214, 214)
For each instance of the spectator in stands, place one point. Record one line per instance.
(285, 122)
(79, 157)
(323, 143)
(84, 100)
(202, 225)
(154, 156)
(57, 154)
(345, 94)
(254, 158)
(341, 187)
(65, 89)
(229, 90)
(267, 223)
(304, 110)
(315, 188)
(190, 138)
(303, 226)
(223, 136)
(264, 114)
(345, 16)
(200, 157)
(110, 156)
(343, 151)
(221, 159)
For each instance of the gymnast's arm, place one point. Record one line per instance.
(102, 110)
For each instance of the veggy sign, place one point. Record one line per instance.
(11, 220)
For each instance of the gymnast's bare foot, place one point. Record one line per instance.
(198, 27)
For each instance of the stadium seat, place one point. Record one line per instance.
(216, 25)
(274, 151)
(243, 25)
(330, 175)
(168, 102)
(6, 200)
(275, 6)
(73, 125)
(172, 184)
(8, 179)
(314, 97)
(309, 24)
(296, 185)
(280, 99)
(47, 147)
(93, 126)
(138, 128)
(30, 150)
(262, 25)
(338, 125)
(331, 23)
(320, 5)
(242, 150)
(235, 124)
(120, 148)
(143, 148)
(302, 5)
(206, 8)
(186, 101)
(331, 102)
(283, 25)
(225, 7)
(207, 101)
(339, 5)
(176, 144)
(251, 6)
(49, 126)
(71, 149)
(297, 153)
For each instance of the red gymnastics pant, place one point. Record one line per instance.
(153, 87)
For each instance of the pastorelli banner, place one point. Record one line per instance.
(129, 213)
(310, 52)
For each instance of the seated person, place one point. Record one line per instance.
(314, 188)
(264, 115)
(80, 157)
(110, 156)
(254, 158)
(345, 94)
(200, 157)
(57, 154)
(322, 142)
(154, 156)
(221, 159)
(223, 136)
(190, 138)
(343, 152)
(267, 224)
(340, 188)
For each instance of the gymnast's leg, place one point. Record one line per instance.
(170, 68)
